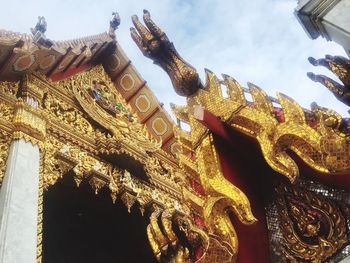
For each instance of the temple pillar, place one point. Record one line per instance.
(19, 204)
(19, 193)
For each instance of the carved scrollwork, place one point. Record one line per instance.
(52, 171)
(29, 121)
(128, 200)
(163, 175)
(93, 92)
(85, 109)
(9, 88)
(6, 112)
(61, 111)
(313, 226)
(60, 158)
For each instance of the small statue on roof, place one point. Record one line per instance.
(39, 33)
(40, 26)
(113, 24)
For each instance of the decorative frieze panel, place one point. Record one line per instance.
(8, 89)
(58, 110)
(60, 158)
(308, 222)
(313, 227)
(142, 103)
(6, 112)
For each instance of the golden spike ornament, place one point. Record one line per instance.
(276, 128)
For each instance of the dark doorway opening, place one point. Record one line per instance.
(81, 227)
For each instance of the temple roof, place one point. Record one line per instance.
(21, 54)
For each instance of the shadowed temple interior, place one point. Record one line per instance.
(81, 227)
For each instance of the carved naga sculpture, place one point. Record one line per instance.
(221, 243)
(154, 44)
(278, 129)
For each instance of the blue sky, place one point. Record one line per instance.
(259, 41)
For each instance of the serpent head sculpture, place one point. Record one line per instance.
(154, 44)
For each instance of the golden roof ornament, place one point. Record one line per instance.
(279, 126)
(154, 44)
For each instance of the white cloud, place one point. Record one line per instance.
(258, 41)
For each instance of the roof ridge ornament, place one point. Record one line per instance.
(154, 44)
(113, 24)
(39, 33)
